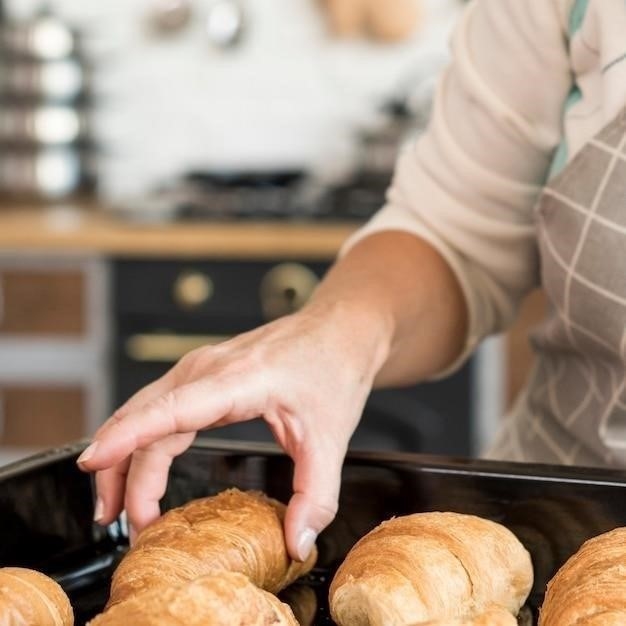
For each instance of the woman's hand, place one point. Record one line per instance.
(390, 310)
(307, 375)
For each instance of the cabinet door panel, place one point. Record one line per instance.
(41, 416)
(40, 302)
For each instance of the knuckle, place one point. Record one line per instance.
(193, 364)
(249, 363)
(326, 511)
(118, 416)
(165, 408)
(188, 359)
(165, 404)
(330, 507)
(132, 508)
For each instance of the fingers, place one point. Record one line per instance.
(110, 486)
(185, 409)
(142, 397)
(111, 482)
(316, 481)
(143, 479)
(116, 475)
(147, 479)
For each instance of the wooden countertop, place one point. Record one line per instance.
(81, 229)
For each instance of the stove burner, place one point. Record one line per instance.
(280, 195)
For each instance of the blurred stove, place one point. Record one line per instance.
(276, 195)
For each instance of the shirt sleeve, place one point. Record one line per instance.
(468, 185)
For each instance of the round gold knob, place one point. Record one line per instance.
(192, 289)
(286, 288)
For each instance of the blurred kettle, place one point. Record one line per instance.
(398, 120)
(43, 38)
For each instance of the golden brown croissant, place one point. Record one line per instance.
(590, 589)
(224, 599)
(492, 617)
(430, 566)
(30, 598)
(233, 531)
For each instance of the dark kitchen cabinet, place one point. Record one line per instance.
(163, 308)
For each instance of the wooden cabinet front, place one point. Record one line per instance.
(42, 302)
(34, 416)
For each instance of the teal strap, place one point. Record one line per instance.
(577, 15)
(559, 161)
(561, 156)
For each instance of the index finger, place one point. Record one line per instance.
(185, 409)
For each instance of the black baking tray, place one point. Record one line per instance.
(46, 507)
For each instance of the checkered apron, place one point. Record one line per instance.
(574, 408)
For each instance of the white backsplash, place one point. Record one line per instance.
(289, 95)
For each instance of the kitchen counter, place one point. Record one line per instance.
(75, 229)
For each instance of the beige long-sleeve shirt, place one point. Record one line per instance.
(529, 83)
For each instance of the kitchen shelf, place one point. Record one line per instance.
(87, 229)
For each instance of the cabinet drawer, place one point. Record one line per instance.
(42, 302)
(187, 292)
(34, 416)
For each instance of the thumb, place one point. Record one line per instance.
(316, 484)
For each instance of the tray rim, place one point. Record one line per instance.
(487, 468)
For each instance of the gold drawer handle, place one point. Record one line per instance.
(164, 348)
(285, 289)
(192, 289)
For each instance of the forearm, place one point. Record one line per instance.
(399, 292)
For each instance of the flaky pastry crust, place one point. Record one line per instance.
(492, 617)
(30, 598)
(224, 599)
(233, 531)
(590, 588)
(430, 566)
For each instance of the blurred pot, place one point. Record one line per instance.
(44, 140)
(62, 80)
(43, 173)
(43, 38)
(45, 125)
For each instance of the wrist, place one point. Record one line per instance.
(363, 330)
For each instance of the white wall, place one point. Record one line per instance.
(289, 95)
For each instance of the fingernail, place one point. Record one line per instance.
(88, 452)
(306, 541)
(98, 512)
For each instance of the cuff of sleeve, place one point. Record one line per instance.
(392, 218)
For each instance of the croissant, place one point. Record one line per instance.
(590, 588)
(30, 598)
(492, 617)
(430, 566)
(233, 531)
(223, 599)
